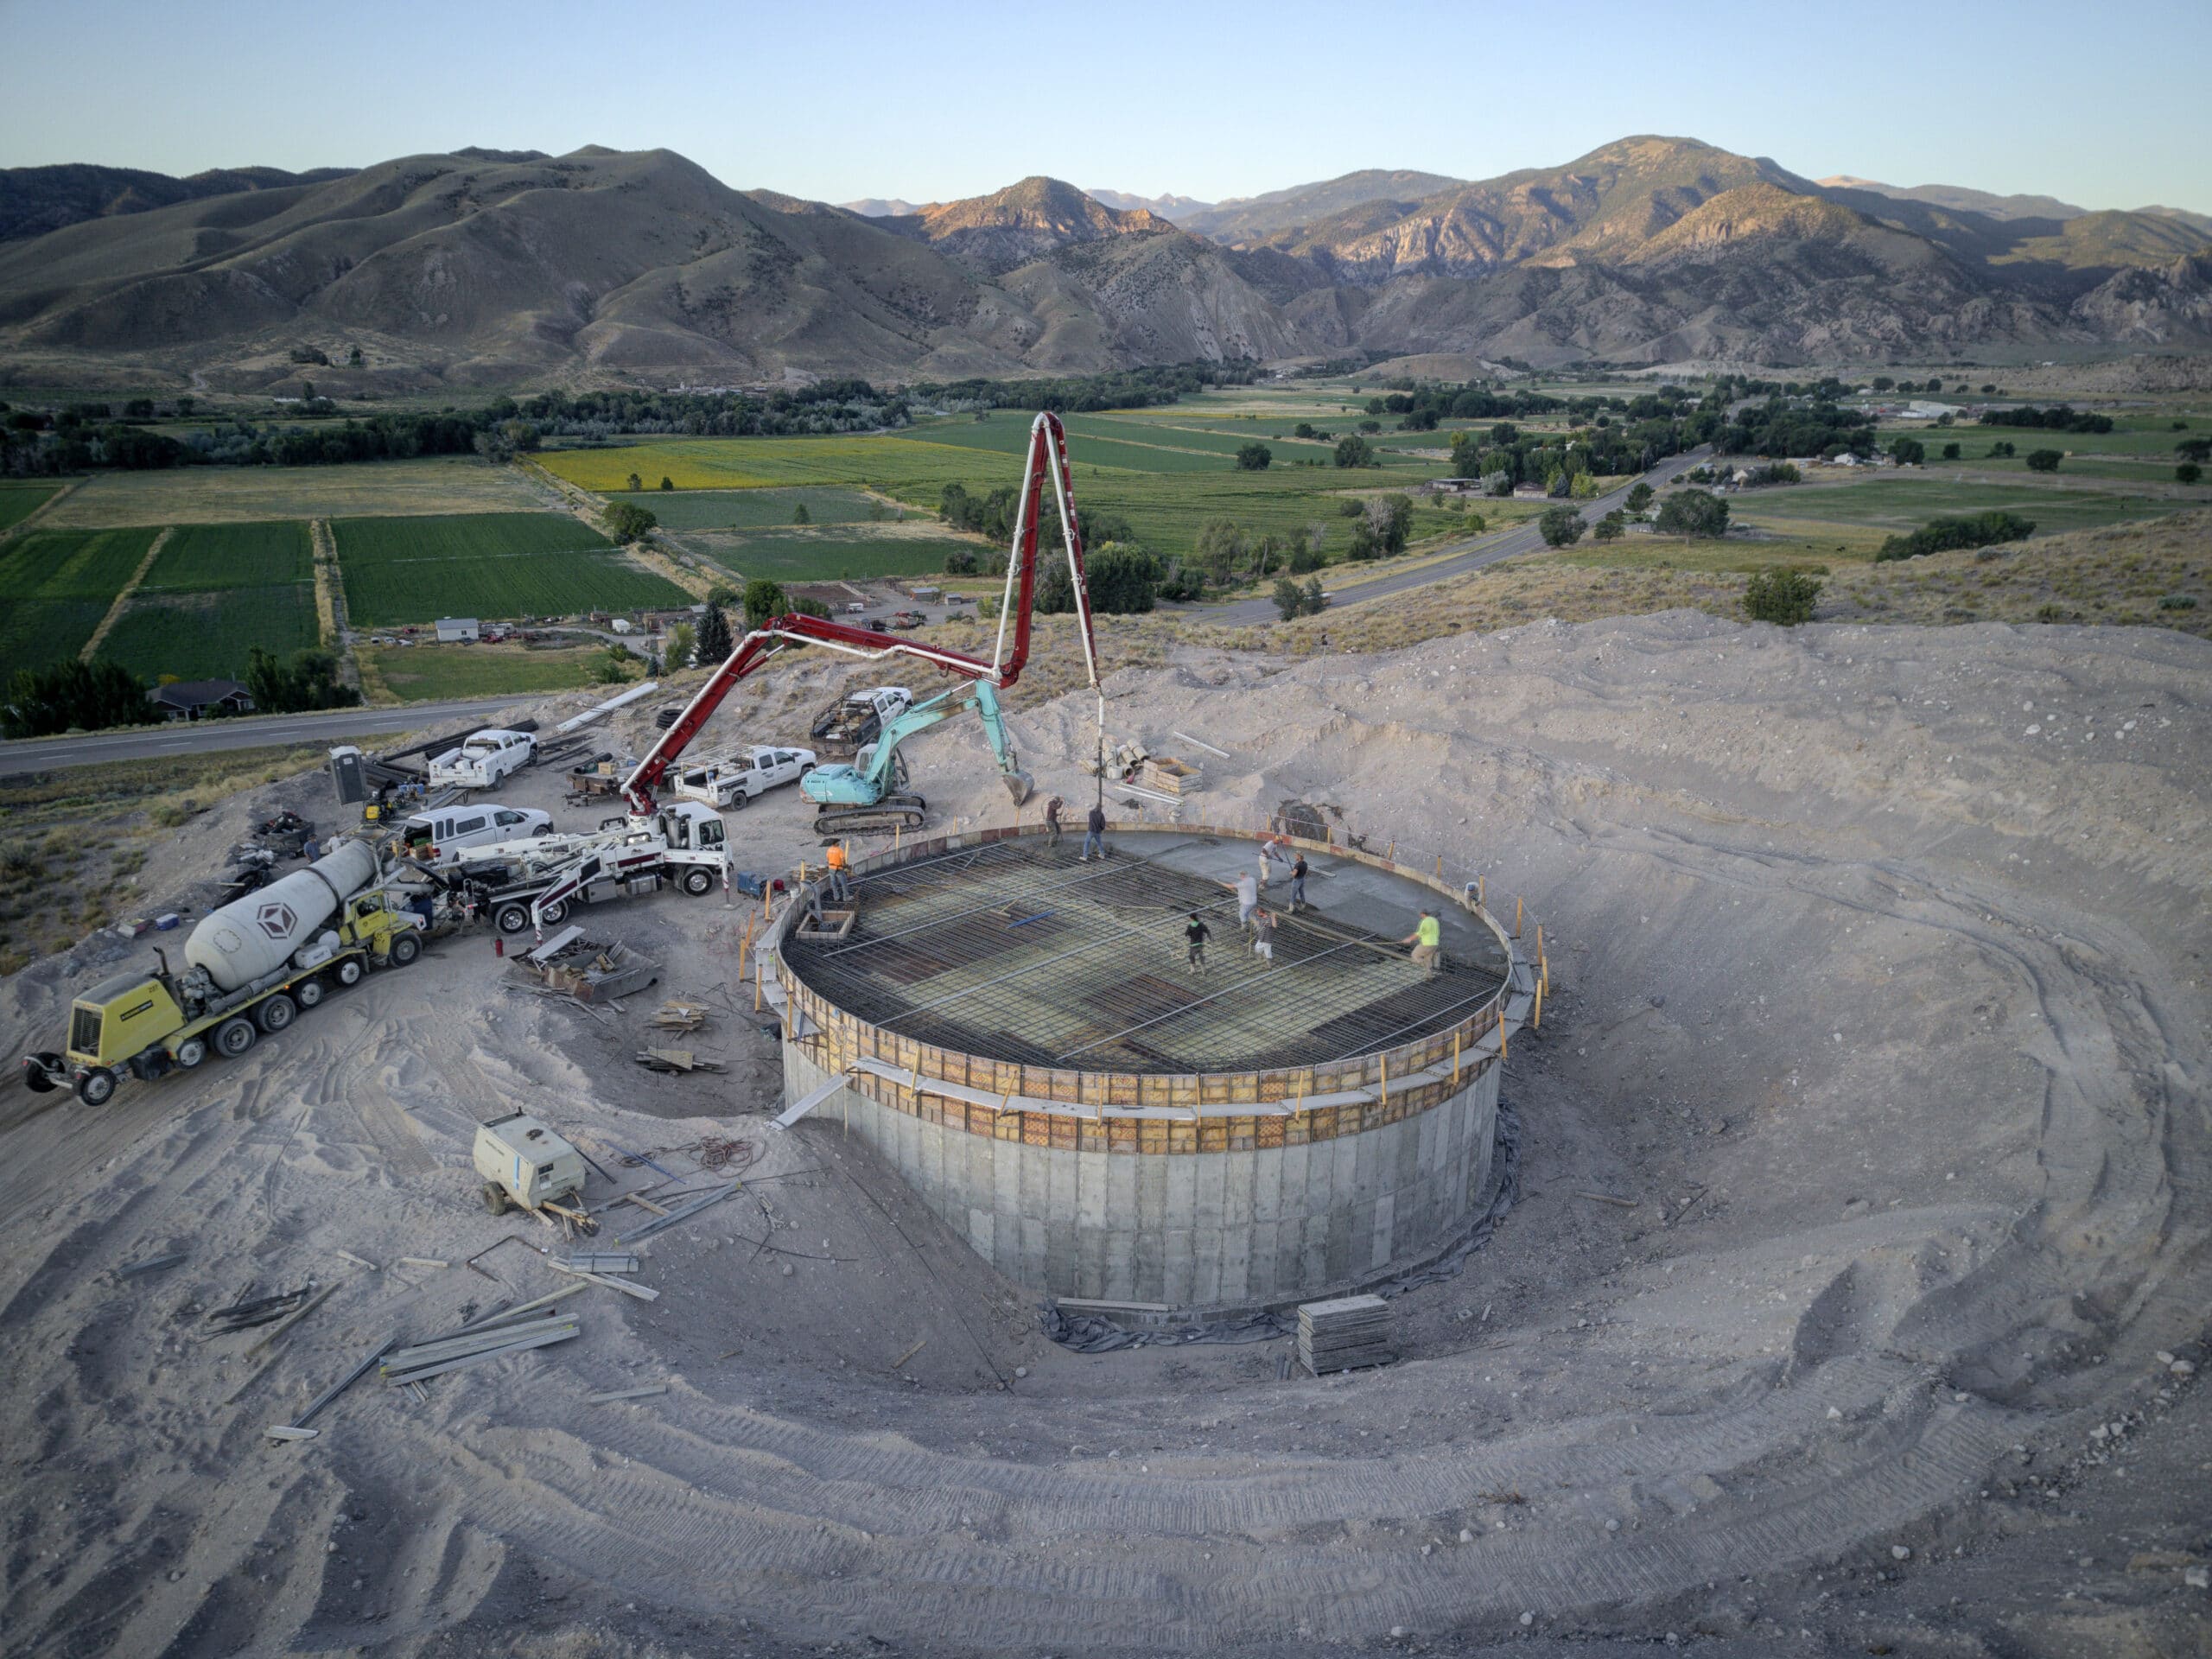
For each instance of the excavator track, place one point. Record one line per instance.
(891, 813)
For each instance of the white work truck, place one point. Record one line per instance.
(526, 885)
(736, 778)
(483, 758)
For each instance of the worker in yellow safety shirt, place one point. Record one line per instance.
(840, 886)
(1427, 941)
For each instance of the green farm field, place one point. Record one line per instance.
(504, 564)
(199, 558)
(434, 673)
(202, 495)
(818, 555)
(753, 509)
(1895, 503)
(1166, 509)
(55, 585)
(210, 634)
(19, 501)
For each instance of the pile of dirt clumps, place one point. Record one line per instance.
(1879, 1008)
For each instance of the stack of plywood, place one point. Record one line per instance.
(1169, 776)
(1345, 1334)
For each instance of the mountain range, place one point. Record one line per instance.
(515, 268)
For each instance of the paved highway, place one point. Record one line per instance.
(259, 731)
(1469, 555)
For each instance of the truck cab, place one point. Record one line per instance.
(484, 758)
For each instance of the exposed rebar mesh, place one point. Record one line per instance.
(1019, 951)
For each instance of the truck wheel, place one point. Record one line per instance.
(738, 798)
(273, 1013)
(513, 918)
(698, 882)
(37, 1077)
(350, 971)
(308, 993)
(404, 949)
(190, 1052)
(233, 1037)
(808, 767)
(495, 1198)
(96, 1087)
(555, 913)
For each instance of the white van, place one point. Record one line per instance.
(435, 837)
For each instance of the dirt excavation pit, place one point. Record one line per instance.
(1854, 1296)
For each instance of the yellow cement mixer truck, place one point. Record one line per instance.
(250, 968)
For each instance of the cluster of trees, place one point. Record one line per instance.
(1696, 514)
(1420, 407)
(1116, 389)
(629, 522)
(2058, 418)
(2045, 461)
(1560, 526)
(992, 517)
(1883, 383)
(1292, 602)
(1784, 426)
(1253, 457)
(1122, 580)
(1942, 535)
(73, 697)
(1382, 525)
(305, 680)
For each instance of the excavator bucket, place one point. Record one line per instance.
(1019, 783)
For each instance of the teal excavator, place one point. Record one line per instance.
(870, 794)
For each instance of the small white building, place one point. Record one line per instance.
(453, 630)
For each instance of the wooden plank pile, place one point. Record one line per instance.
(675, 1059)
(1164, 773)
(1345, 1334)
(473, 1345)
(682, 1015)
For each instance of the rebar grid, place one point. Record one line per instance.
(1016, 951)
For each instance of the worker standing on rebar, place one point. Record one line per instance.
(1248, 899)
(1094, 839)
(1298, 884)
(1427, 941)
(1263, 934)
(1052, 821)
(840, 886)
(1270, 853)
(1195, 934)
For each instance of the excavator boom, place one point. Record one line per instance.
(1048, 459)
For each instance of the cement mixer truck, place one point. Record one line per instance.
(250, 968)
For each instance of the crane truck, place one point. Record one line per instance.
(252, 967)
(529, 884)
(879, 778)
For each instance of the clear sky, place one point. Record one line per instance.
(2104, 105)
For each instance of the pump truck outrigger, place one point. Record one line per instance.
(862, 796)
(253, 966)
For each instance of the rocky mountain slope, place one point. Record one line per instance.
(36, 200)
(516, 268)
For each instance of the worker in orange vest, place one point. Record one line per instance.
(840, 886)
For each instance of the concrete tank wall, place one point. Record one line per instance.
(1194, 1230)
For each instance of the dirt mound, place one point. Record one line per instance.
(1879, 1009)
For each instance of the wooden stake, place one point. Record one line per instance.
(1455, 1058)
(1538, 1021)
(1517, 919)
(1479, 885)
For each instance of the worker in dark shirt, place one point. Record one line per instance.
(1052, 821)
(1195, 932)
(1094, 839)
(1298, 884)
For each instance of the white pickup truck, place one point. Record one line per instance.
(483, 758)
(732, 781)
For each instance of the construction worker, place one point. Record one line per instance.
(1248, 899)
(1427, 941)
(1298, 884)
(1263, 935)
(1195, 934)
(1052, 821)
(1094, 839)
(840, 886)
(1271, 852)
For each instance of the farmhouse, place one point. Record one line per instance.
(200, 699)
(1527, 491)
(456, 628)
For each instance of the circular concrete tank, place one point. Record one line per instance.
(1019, 1035)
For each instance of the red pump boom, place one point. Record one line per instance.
(1048, 455)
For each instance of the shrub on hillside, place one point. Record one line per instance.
(1943, 535)
(1780, 596)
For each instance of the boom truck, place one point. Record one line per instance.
(530, 884)
(866, 794)
(250, 967)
